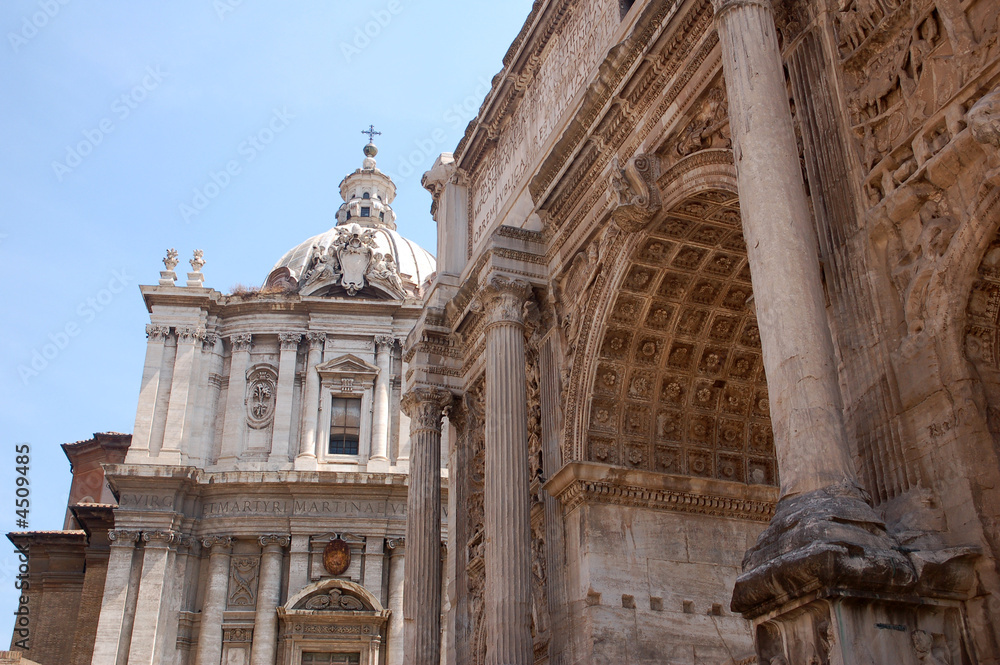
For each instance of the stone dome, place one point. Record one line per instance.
(363, 253)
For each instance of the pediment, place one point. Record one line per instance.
(346, 364)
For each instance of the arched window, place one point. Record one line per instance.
(366, 195)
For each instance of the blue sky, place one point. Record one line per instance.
(115, 116)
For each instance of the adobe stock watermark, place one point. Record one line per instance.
(225, 7)
(427, 149)
(31, 25)
(363, 35)
(121, 109)
(42, 356)
(248, 150)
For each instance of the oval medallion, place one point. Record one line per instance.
(336, 557)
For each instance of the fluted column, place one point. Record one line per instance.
(310, 402)
(232, 432)
(422, 579)
(147, 632)
(110, 625)
(210, 635)
(265, 623)
(380, 406)
(281, 438)
(151, 369)
(507, 529)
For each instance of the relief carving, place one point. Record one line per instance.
(334, 600)
(243, 573)
(261, 386)
(352, 262)
(636, 192)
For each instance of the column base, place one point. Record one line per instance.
(378, 465)
(306, 463)
(826, 583)
(826, 539)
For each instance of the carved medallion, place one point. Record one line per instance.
(336, 556)
(260, 397)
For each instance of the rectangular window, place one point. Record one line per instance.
(309, 657)
(345, 425)
(366, 211)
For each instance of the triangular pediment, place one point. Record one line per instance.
(346, 364)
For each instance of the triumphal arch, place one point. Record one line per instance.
(713, 341)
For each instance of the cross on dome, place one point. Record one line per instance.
(371, 133)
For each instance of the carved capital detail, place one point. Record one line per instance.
(123, 537)
(273, 539)
(160, 538)
(316, 339)
(637, 192)
(395, 543)
(984, 119)
(289, 341)
(241, 341)
(503, 299)
(384, 342)
(425, 407)
(157, 333)
(190, 335)
(210, 339)
(221, 542)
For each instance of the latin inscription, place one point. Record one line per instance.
(576, 51)
(307, 507)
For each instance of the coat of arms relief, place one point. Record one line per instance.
(353, 261)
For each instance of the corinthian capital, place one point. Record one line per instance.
(316, 339)
(289, 341)
(241, 341)
(425, 407)
(503, 299)
(157, 333)
(384, 342)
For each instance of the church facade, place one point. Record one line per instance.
(257, 512)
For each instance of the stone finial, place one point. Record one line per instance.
(195, 278)
(168, 277)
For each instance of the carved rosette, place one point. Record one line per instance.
(241, 341)
(316, 339)
(425, 407)
(160, 538)
(123, 537)
(220, 542)
(157, 333)
(384, 343)
(289, 341)
(271, 540)
(637, 192)
(503, 299)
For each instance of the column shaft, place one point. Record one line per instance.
(380, 417)
(149, 389)
(265, 623)
(214, 382)
(799, 361)
(281, 438)
(147, 638)
(422, 579)
(210, 634)
(113, 603)
(235, 423)
(180, 407)
(507, 529)
(310, 403)
(397, 575)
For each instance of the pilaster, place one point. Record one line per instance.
(265, 624)
(235, 423)
(181, 407)
(148, 642)
(380, 411)
(156, 336)
(306, 459)
(108, 642)
(210, 634)
(281, 437)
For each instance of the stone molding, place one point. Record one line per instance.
(241, 341)
(273, 539)
(586, 482)
(289, 341)
(425, 407)
(123, 537)
(503, 299)
(157, 333)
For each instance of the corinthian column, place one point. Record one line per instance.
(210, 634)
(422, 574)
(110, 626)
(507, 529)
(180, 409)
(265, 623)
(235, 422)
(153, 366)
(817, 475)
(281, 438)
(310, 401)
(380, 418)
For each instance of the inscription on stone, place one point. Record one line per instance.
(308, 507)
